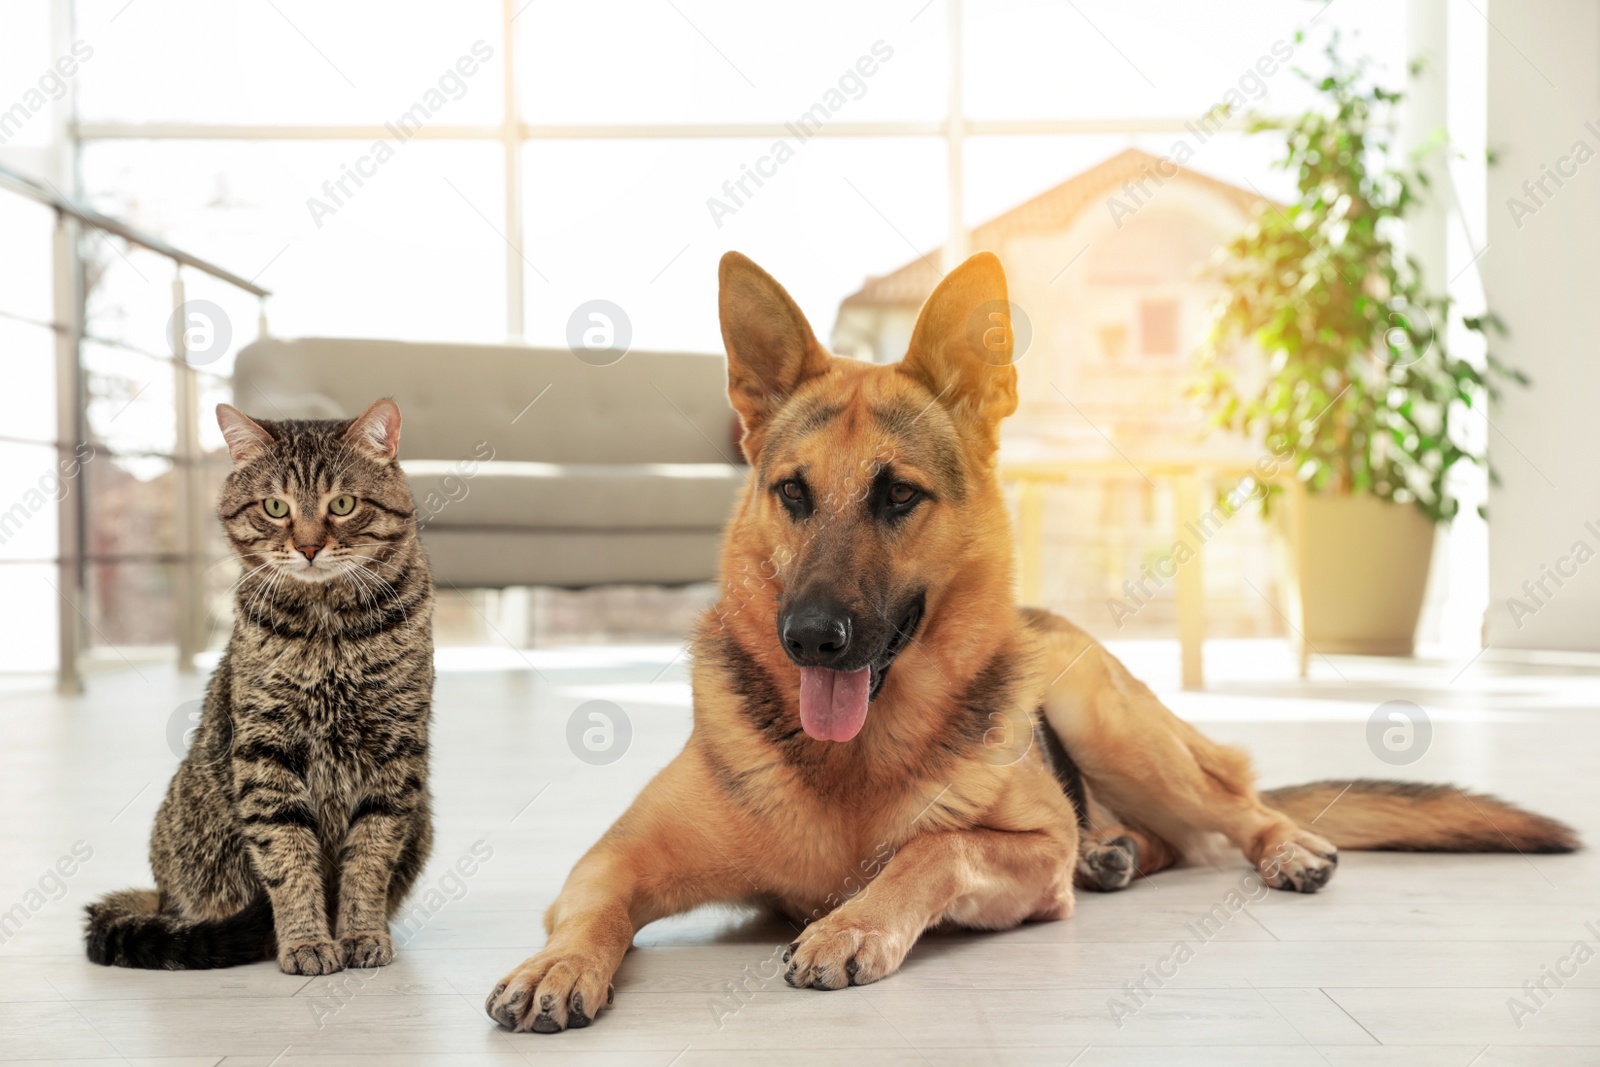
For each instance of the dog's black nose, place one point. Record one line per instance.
(816, 634)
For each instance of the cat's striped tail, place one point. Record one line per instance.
(126, 929)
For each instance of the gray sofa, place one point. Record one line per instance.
(530, 466)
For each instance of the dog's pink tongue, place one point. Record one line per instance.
(833, 704)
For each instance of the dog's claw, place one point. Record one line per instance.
(1302, 865)
(551, 993)
(577, 1018)
(505, 1013)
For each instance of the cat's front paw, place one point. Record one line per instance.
(311, 957)
(367, 950)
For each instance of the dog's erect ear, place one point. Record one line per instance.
(961, 348)
(246, 437)
(771, 349)
(377, 431)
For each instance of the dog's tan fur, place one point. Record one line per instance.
(942, 809)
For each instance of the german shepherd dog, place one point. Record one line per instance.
(883, 742)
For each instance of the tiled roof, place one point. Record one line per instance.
(1054, 209)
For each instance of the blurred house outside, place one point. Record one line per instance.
(1107, 275)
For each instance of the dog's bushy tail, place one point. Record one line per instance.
(127, 929)
(1376, 815)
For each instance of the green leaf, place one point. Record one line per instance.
(1309, 287)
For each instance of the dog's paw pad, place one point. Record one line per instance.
(1303, 865)
(1106, 866)
(832, 954)
(551, 992)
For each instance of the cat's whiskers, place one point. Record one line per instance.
(358, 582)
(255, 610)
(376, 593)
(371, 572)
(248, 597)
(244, 577)
(367, 580)
(375, 559)
(266, 595)
(228, 559)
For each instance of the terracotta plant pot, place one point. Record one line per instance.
(1354, 570)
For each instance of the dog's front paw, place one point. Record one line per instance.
(366, 950)
(311, 957)
(551, 992)
(832, 953)
(1304, 863)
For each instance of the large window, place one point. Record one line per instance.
(476, 170)
(625, 166)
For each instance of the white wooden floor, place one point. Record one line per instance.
(1402, 960)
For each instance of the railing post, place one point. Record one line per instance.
(191, 608)
(72, 428)
(71, 431)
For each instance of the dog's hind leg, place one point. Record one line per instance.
(1113, 856)
(1110, 853)
(1156, 771)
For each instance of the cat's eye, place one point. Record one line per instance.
(343, 504)
(275, 507)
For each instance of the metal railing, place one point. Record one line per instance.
(68, 322)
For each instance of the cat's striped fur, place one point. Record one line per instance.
(300, 817)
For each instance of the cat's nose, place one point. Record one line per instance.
(310, 551)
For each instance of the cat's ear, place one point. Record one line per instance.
(246, 437)
(377, 431)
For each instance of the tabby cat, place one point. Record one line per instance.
(300, 817)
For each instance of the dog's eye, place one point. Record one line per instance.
(795, 498)
(275, 507)
(891, 500)
(343, 504)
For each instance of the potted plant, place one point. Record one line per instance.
(1358, 385)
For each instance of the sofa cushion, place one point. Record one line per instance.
(573, 496)
(570, 559)
(542, 404)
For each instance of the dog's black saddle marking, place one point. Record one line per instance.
(1065, 770)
